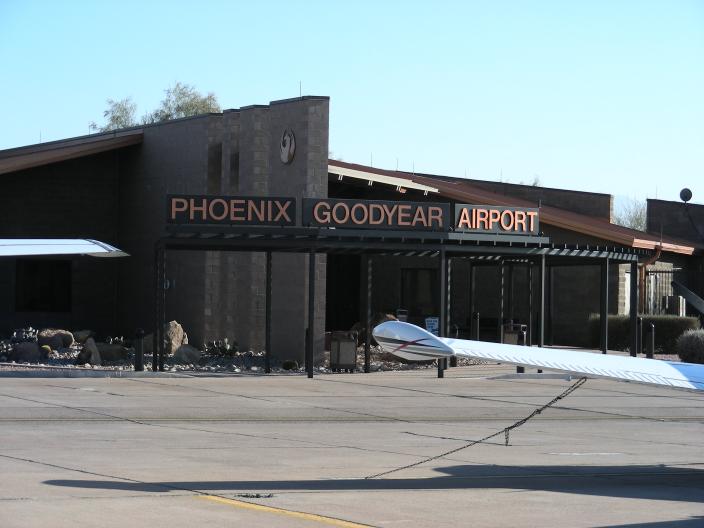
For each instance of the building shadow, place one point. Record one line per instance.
(651, 482)
(693, 522)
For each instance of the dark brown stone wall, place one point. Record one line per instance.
(676, 219)
(591, 204)
(71, 199)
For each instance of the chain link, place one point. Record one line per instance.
(505, 431)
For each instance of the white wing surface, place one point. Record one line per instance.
(411, 342)
(20, 247)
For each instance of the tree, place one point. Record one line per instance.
(182, 100)
(119, 114)
(632, 213)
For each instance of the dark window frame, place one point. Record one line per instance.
(410, 278)
(43, 285)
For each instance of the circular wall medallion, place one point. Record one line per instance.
(288, 146)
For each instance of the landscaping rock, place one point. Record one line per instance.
(81, 335)
(111, 351)
(28, 352)
(89, 354)
(174, 337)
(55, 338)
(187, 354)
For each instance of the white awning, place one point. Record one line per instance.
(400, 183)
(19, 247)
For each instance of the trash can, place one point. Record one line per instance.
(402, 315)
(515, 334)
(343, 352)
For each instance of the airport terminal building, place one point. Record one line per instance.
(222, 214)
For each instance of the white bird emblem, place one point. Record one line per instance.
(288, 146)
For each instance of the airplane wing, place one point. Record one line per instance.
(411, 342)
(20, 247)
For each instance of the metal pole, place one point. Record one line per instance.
(634, 309)
(368, 315)
(509, 303)
(501, 301)
(311, 313)
(267, 316)
(541, 320)
(448, 309)
(162, 305)
(529, 337)
(551, 305)
(155, 332)
(443, 306)
(139, 350)
(471, 300)
(650, 349)
(448, 297)
(604, 311)
(475, 317)
(639, 324)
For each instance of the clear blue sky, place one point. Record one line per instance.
(604, 96)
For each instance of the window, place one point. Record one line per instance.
(43, 286)
(419, 292)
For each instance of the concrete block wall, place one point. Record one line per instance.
(235, 300)
(306, 176)
(221, 294)
(173, 159)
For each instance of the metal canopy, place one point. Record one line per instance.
(384, 242)
(21, 247)
(478, 248)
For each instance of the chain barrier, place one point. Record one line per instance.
(505, 431)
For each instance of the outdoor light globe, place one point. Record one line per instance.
(685, 195)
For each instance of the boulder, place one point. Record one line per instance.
(89, 354)
(55, 338)
(28, 352)
(111, 351)
(174, 337)
(289, 364)
(81, 335)
(187, 354)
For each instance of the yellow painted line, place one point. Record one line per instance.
(280, 511)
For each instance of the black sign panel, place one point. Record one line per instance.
(493, 219)
(376, 214)
(230, 210)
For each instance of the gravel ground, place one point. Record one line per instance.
(239, 362)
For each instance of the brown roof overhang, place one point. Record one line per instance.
(464, 192)
(21, 158)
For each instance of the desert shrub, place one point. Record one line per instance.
(690, 346)
(667, 329)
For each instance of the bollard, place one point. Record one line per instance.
(639, 335)
(139, 350)
(475, 316)
(522, 341)
(441, 369)
(650, 346)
